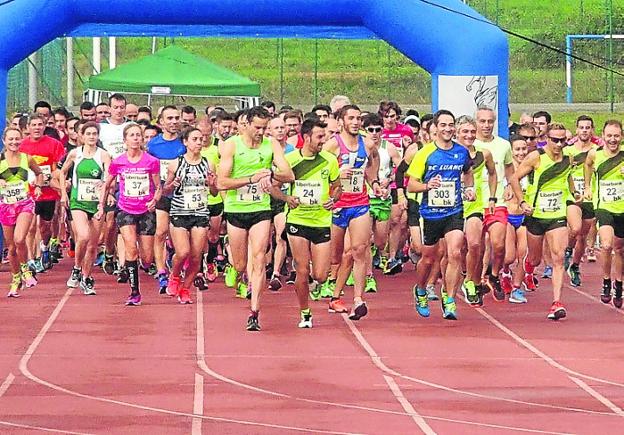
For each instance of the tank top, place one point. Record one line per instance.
(578, 165)
(246, 162)
(609, 187)
(354, 192)
(211, 153)
(191, 196)
(478, 171)
(16, 178)
(549, 188)
(87, 174)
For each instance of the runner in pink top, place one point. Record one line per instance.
(136, 187)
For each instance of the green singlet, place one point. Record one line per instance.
(88, 174)
(549, 188)
(578, 163)
(478, 169)
(16, 179)
(211, 153)
(608, 192)
(248, 161)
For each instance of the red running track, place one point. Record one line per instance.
(76, 364)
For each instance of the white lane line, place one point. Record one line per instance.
(398, 394)
(594, 298)
(198, 404)
(42, 429)
(6, 384)
(521, 341)
(596, 395)
(407, 406)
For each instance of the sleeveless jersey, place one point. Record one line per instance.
(385, 165)
(190, 197)
(246, 162)
(478, 170)
(578, 163)
(608, 192)
(17, 187)
(549, 188)
(354, 192)
(211, 153)
(87, 174)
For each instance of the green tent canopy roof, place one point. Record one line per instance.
(174, 71)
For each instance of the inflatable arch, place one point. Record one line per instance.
(467, 58)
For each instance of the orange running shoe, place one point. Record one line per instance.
(173, 288)
(337, 306)
(184, 296)
(557, 311)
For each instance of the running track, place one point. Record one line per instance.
(76, 364)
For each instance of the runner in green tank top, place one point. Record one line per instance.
(607, 166)
(550, 184)
(482, 163)
(580, 212)
(245, 174)
(89, 165)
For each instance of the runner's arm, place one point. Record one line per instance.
(284, 172)
(492, 176)
(588, 171)
(529, 164)
(69, 160)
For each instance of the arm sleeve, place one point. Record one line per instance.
(400, 174)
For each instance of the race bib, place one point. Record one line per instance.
(14, 192)
(355, 183)
(47, 174)
(611, 191)
(579, 184)
(88, 190)
(115, 149)
(164, 167)
(308, 191)
(443, 196)
(136, 185)
(549, 202)
(249, 193)
(195, 197)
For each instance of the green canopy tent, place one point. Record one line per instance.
(176, 72)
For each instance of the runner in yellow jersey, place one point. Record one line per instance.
(607, 193)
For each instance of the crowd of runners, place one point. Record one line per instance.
(269, 197)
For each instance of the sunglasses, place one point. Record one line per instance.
(557, 139)
(373, 129)
(529, 137)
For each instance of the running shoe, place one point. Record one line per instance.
(134, 300)
(605, 296)
(109, 265)
(591, 255)
(567, 258)
(211, 272)
(152, 270)
(200, 282)
(517, 296)
(46, 260)
(376, 255)
(184, 296)
(231, 275)
(99, 260)
(337, 306)
(252, 323)
(421, 301)
(87, 285)
(39, 268)
(163, 282)
(371, 284)
(315, 291)
(529, 282)
(617, 297)
(557, 311)
(32, 265)
(241, 290)
(5, 256)
(575, 275)
(221, 263)
(393, 267)
(291, 278)
(449, 308)
(471, 295)
(383, 262)
(414, 257)
(306, 319)
(547, 272)
(123, 276)
(16, 285)
(505, 282)
(173, 287)
(358, 311)
(495, 287)
(71, 253)
(275, 284)
(27, 276)
(431, 293)
(327, 289)
(350, 279)
(74, 278)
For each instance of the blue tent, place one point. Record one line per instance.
(466, 55)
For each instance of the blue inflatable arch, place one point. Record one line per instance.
(468, 59)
